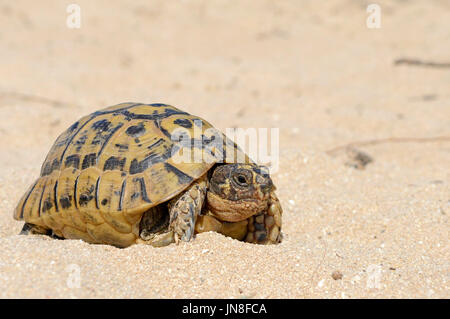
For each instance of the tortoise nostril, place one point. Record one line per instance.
(267, 185)
(260, 180)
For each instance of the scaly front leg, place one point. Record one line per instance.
(265, 227)
(185, 209)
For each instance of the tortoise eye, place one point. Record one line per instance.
(241, 180)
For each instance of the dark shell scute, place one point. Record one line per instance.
(89, 160)
(114, 162)
(183, 122)
(102, 125)
(136, 130)
(72, 161)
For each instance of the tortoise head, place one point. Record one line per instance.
(238, 191)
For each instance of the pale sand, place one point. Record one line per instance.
(312, 69)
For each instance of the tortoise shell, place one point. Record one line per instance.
(111, 166)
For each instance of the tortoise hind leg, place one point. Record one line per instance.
(155, 220)
(31, 229)
(165, 224)
(153, 227)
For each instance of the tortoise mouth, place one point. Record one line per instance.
(234, 210)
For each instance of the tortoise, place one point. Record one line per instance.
(115, 177)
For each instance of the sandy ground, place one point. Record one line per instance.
(310, 68)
